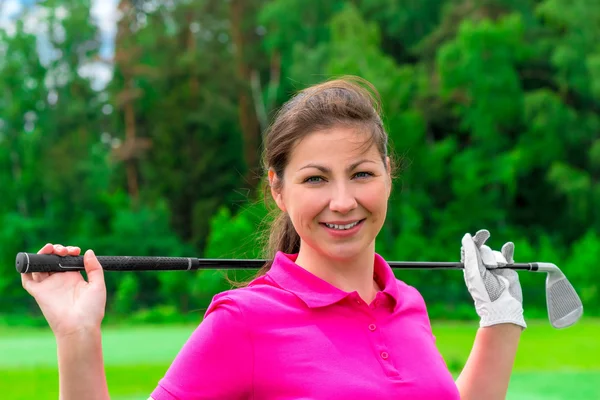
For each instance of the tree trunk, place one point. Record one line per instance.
(248, 119)
(124, 63)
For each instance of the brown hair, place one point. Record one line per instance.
(348, 101)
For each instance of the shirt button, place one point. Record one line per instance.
(384, 355)
(372, 327)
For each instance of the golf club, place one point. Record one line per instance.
(564, 305)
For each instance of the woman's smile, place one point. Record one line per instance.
(343, 229)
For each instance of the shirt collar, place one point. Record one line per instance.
(316, 292)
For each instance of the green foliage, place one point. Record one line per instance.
(491, 108)
(477, 73)
(581, 265)
(237, 236)
(576, 49)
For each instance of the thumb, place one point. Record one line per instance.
(470, 258)
(93, 268)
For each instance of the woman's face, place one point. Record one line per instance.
(335, 192)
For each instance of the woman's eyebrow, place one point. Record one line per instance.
(327, 170)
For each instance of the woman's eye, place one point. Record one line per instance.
(363, 174)
(313, 179)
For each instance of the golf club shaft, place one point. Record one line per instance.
(32, 262)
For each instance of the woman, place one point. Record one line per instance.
(326, 319)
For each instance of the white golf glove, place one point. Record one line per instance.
(496, 292)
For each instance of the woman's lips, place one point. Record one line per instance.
(343, 232)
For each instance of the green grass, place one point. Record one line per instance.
(542, 348)
(551, 364)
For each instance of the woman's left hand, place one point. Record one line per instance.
(496, 291)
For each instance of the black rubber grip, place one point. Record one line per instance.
(32, 262)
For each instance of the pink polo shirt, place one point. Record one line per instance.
(291, 335)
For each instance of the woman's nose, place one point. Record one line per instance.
(343, 200)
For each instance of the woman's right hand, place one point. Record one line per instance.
(68, 302)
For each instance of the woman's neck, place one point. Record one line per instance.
(349, 275)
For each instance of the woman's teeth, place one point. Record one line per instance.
(342, 227)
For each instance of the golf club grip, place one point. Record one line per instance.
(32, 262)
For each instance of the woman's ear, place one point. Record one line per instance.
(275, 185)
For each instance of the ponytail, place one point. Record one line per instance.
(281, 236)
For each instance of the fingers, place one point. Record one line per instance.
(468, 247)
(47, 249)
(508, 251)
(493, 259)
(470, 257)
(481, 237)
(93, 268)
(487, 257)
(60, 250)
(74, 250)
(26, 280)
(40, 276)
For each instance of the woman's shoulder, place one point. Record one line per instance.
(386, 275)
(409, 296)
(405, 288)
(260, 294)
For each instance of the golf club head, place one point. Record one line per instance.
(564, 305)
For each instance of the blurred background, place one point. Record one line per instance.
(134, 127)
